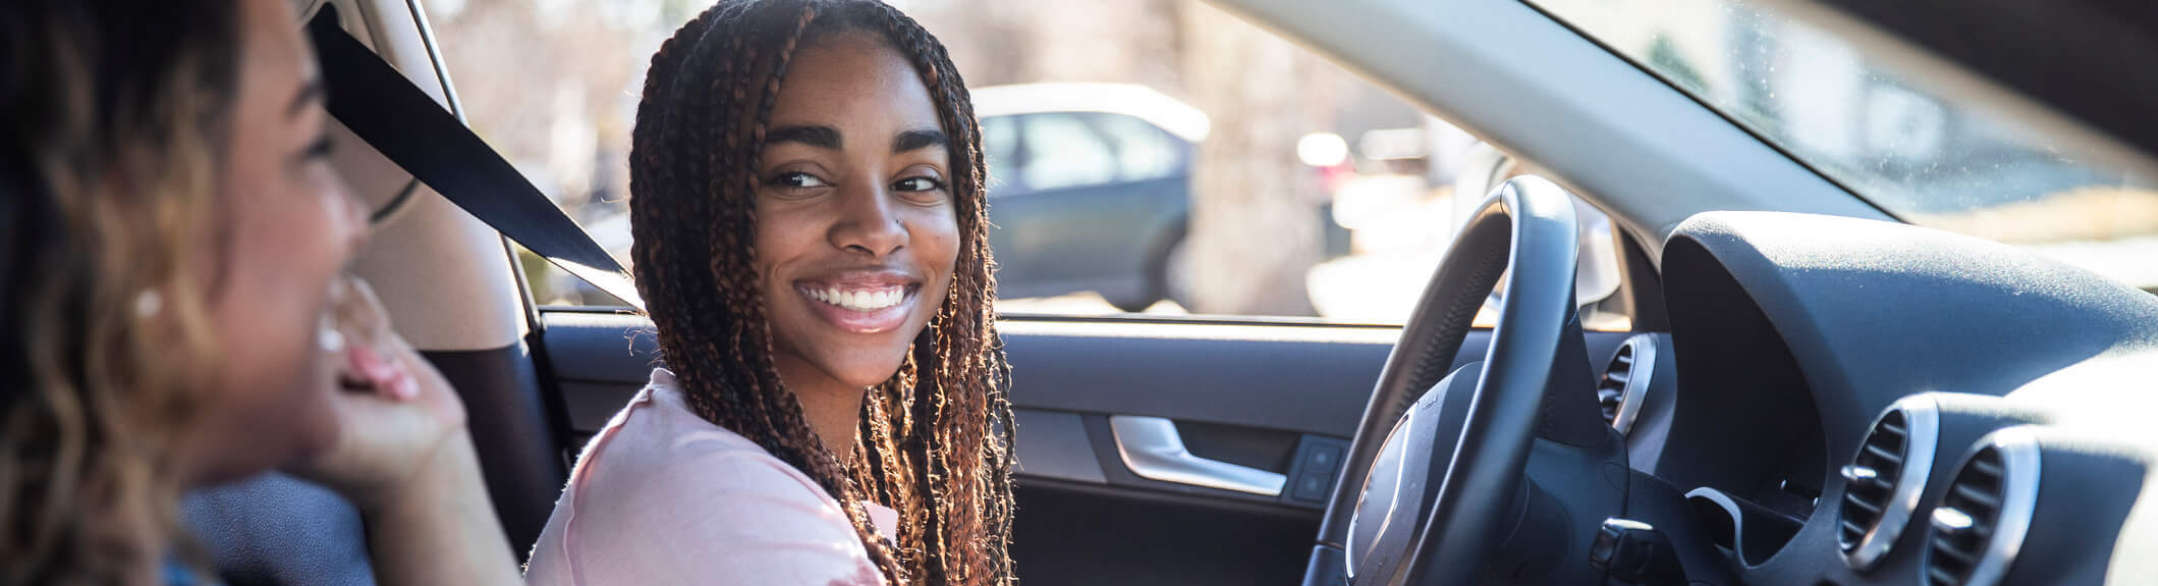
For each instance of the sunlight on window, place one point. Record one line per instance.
(1144, 156)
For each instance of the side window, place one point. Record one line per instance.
(1203, 165)
(1063, 151)
(1143, 151)
(1000, 150)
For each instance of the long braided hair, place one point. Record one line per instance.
(936, 438)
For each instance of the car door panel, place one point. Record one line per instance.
(1260, 395)
(1229, 372)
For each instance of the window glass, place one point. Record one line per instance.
(1176, 159)
(1143, 152)
(1063, 152)
(1000, 144)
(1930, 157)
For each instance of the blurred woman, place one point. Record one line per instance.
(811, 238)
(172, 243)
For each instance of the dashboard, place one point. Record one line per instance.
(1864, 402)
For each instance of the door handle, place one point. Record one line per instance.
(1152, 449)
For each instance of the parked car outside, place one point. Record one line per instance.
(1089, 187)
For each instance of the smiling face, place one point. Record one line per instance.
(287, 229)
(856, 230)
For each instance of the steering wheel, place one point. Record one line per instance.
(1434, 480)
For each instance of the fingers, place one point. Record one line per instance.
(357, 310)
(383, 374)
(369, 349)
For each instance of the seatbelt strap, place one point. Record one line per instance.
(408, 127)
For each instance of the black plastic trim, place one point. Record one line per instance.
(507, 415)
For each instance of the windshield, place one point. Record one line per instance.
(1927, 158)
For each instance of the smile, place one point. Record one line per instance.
(861, 303)
(858, 299)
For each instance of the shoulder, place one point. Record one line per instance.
(659, 449)
(671, 496)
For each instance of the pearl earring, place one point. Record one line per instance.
(148, 303)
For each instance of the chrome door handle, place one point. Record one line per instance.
(1152, 449)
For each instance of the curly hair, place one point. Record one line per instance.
(112, 115)
(936, 438)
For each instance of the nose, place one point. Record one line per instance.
(350, 217)
(867, 223)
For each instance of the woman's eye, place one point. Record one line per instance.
(797, 180)
(911, 184)
(313, 161)
(320, 149)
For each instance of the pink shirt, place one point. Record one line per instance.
(662, 496)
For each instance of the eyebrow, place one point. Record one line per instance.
(309, 93)
(916, 139)
(817, 136)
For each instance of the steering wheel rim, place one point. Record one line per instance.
(1526, 231)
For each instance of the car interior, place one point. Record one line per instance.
(1807, 389)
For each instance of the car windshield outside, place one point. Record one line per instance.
(1925, 156)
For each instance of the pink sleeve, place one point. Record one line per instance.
(719, 517)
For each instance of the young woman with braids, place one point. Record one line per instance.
(812, 243)
(174, 315)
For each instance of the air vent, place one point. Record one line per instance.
(1886, 477)
(1980, 523)
(1626, 381)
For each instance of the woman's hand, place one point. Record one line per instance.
(395, 412)
(403, 456)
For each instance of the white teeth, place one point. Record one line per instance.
(858, 300)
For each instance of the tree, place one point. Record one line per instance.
(1255, 228)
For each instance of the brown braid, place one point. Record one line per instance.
(936, 438)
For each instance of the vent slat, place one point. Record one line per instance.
(1611, 388)
(1936, 575)
(1958, 555)
(1956, 549)
(1884, 454)
(1988, 503)
(1870, 508)
(1853, 529)
(1870, 481)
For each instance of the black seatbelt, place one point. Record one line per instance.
(406, 125)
